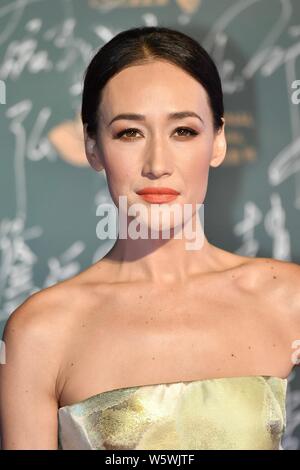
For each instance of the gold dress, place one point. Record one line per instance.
(245, 412)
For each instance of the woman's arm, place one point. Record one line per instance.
(28, 395)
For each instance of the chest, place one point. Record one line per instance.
(159, 337)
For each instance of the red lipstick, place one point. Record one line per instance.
(158, 195)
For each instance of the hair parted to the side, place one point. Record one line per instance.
(142, 45)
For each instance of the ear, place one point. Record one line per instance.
(220, 146)
(92, 151)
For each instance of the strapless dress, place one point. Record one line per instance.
(247, 412)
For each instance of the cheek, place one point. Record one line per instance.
(119, 177)
(119, 164)
(197, 166)
(196, 175)
(197, 185)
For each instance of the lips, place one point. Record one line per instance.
(157, 191)
(158, 195)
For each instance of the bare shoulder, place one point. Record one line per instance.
(39, 336)
(277, 276)
(53, 308)
(278, 283)
(44, 311)
(261, 273)
(35, 337)
(274, 283)
(40, 328)
(288, 290)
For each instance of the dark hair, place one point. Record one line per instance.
(144, 44)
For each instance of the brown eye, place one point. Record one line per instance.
(127, 131)
(130, 132)
(186, 129)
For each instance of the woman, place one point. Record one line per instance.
(155, 346)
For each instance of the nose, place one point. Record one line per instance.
(157, 161)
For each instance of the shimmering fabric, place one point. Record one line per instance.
(223, 413)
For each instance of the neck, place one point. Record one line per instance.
(163, 260)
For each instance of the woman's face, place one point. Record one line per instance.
(156, 150)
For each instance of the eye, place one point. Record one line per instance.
(187, 132)
(126, 131)
(186, 129)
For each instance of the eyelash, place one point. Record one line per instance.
(120, 134)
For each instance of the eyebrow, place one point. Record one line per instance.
(141, 117)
